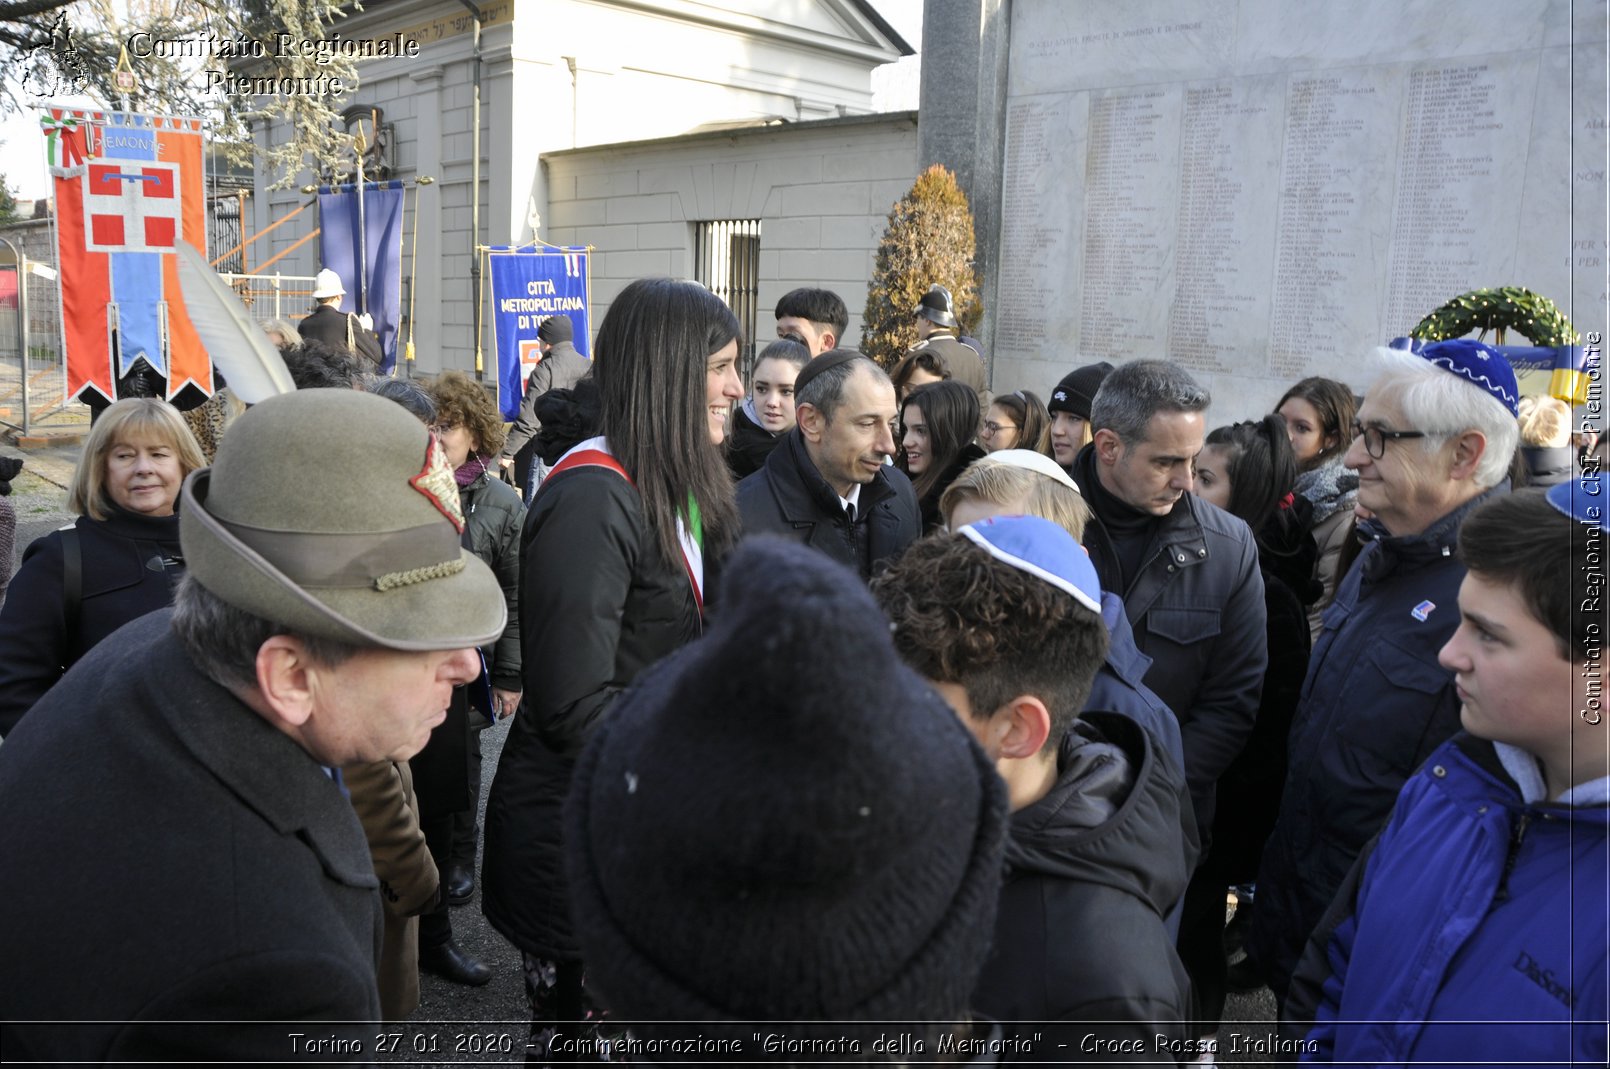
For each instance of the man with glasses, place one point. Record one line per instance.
(1433, 440)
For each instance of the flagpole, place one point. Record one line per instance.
(363, 231)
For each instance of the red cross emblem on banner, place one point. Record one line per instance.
(131, 206)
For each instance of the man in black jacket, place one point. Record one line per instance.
(1187, 571)
(1188, 574)
(1096, 854)
(827, 483)
(338, 329)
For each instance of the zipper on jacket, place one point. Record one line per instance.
(1517, 835)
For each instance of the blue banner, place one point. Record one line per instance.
(528, 286)
(136, 276)
(379, 291)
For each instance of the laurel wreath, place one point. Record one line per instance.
(1505, 308)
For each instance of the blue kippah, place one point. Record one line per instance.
(1042, 549)
(1582, 499)
(1481, 364)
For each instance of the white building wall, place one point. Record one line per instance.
(822, 192)
(642, 69)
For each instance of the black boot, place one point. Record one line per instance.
(459, 885)
(453, 963)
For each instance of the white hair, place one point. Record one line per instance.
(1445, 406)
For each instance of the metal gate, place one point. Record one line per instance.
(727, 260)
(227, 212)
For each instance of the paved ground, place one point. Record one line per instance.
(459, 1024)
(454, 1018)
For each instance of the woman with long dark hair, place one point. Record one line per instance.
(761, 421)
(937, 424)
(1318, 414)
(1248, 470)
(614, 557)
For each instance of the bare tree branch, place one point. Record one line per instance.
(181, 84)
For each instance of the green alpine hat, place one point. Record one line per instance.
(335, 513)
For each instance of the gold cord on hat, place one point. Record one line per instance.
(392, 580)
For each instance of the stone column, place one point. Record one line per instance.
(425, 236)
(961, 120)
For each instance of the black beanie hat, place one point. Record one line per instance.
(556, 329)
(1077, 389)
(782, 822)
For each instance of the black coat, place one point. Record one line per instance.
(1249, 790)
(1090, 870)
(597, 606)
(130, 566)
(748, 445)
(789, 497)
(1549, 467)
(1196, 605)
(328, 325)
(170, 855)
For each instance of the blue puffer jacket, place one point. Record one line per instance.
(1472, 906)
(1373, 707)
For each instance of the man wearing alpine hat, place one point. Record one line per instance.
(178, 844)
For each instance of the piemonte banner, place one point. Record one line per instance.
(528, 286)
(370, 270)
(128, 188)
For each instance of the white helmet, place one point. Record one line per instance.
(328, 284)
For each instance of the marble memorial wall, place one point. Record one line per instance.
(1263, 190)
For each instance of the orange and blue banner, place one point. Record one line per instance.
(129, 188)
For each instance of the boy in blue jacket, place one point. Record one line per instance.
(1474, 929)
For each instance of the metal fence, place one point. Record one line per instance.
(33, 378)
(727, 260)
(273, 296)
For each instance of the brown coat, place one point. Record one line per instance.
(383, 797)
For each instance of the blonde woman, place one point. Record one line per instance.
(119, 561)
(1546, 441)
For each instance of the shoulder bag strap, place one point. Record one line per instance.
(72, 581)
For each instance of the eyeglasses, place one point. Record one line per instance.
(1375, 438)
(440, 429)
(992, 428)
